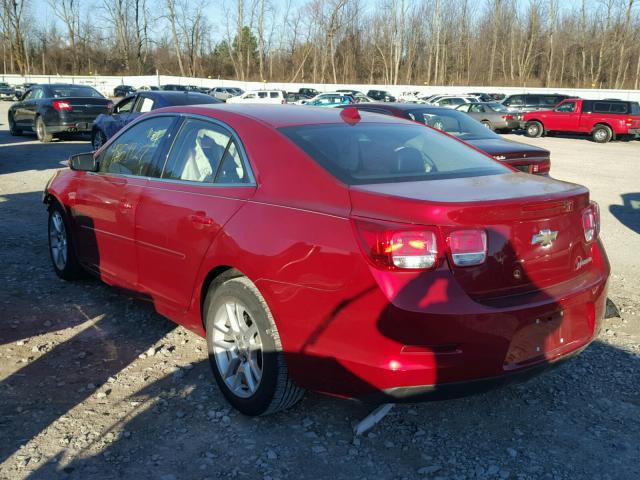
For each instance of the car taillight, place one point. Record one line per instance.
(468, 247)
(591, 221)
(507, 117)
(398, 247)
(542, 167)
(62, 105)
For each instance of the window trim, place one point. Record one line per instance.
(244, 158)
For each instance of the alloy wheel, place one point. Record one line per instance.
(58, 240)
(237, 348)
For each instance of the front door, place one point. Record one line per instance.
(563, 117)
(106, 202)
(205, 181)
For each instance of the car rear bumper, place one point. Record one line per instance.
(429, 339)
(70, 127)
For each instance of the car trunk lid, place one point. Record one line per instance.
(535, 237)
(87, 108)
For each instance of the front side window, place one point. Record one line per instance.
(567, 107)
(204, 153)
(125, 106)
(388, 153)
(476, 109)
(273, 94)
(132, 153)
(516, 101)
(38, 93)
(262, 94)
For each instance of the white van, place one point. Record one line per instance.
(259, 96)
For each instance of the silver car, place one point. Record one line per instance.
(492, 115)
(222, 93)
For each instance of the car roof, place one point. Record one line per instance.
(402, 107)
(278, 116)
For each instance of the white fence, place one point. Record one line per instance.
(106, 84)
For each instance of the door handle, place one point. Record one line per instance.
(199, 218)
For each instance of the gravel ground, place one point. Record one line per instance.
(94, 384)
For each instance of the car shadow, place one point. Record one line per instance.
(25, 152)
(629, 212)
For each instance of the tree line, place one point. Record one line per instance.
(587, 43)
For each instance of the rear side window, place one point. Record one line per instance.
(389, 153)
(204, 152)
(610, 107)
(132, 153)
(143, 104)
(533, 100)
(273, 94)
(516, 100)
(262, 94)
(635, 108)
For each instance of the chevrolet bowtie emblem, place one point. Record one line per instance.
(545, 238)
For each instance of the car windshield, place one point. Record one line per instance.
(74, 91)
(497, 107)
(453, 122)
(387, 153)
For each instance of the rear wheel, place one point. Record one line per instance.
(245, 350)
(601, 134)
(98, 139)
(534, 129)
(63, 256)
(487, 124)
(13, 128)
(41, 131)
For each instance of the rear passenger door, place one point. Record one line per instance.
(205, 180)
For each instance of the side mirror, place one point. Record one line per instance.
(83, 162)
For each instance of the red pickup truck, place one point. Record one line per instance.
(602, 119)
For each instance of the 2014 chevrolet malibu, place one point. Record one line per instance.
(361, 256)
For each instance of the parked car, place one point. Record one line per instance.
(604, 120)
(123, 90)
(128, 109)
(492, 115)
(55, 109)
(148, 88)
(171, 87)
(381, 95)
(223, 93)
(374, 258)
(21, 89)
(308, 92)
(483, 97)
(329, 100)
(260, 96)
(7, 92)
(526, 158)
(452, 101)
(530, 102)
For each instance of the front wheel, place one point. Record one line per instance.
(98, 139)
(534, 129)
(601, 134)
(41, 131)
(63, 256)
(245, 350)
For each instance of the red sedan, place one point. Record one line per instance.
(361, 256)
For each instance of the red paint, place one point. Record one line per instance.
(348, 324)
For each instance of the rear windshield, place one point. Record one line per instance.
(454, 123)
(191, 99)
(497, 107)
(74, 91)
(385, 153)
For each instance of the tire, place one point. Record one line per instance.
(487, 124)
(13, 129)
(41, 131)
(98, 139)
(533, 129)
(601, 134)
(249, 348)
(61, 248)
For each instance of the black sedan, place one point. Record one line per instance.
(131, 107)
(56, 109)
(520, 156)
(123, 90)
